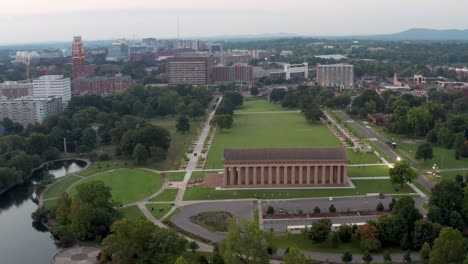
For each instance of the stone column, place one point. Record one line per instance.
(316, 174)
(254, 175)
(269, 175)
(225, 176)
(345, 174)
(233, 173)
(278, 171)
(308, 174)
(339, 175)
(300, 174)
(324, 174)
(332, 172)
(262, 175)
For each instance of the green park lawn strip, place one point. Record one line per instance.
(159, 210)
(180, 141)
(60, 186)
(302, 242)
(200, 174)
(362, 157)
(363, 187)
(368, 171)
(269, 131)
(261, 106)
(128, 185)
(450, 175)
(132, 213)
(422, 188)
(49, 204)
(443, 157)
(102, 166)
(175, 176)
(168, 195)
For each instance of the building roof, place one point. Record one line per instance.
(284, 154)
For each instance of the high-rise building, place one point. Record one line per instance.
(335, 75)
(53, 85)
(194, 70)
(78, 57)
(239, 74)
(30, 110)
(12, 90)
(120, 50)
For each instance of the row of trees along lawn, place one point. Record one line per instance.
(223, 117)
(442, 118)
(309, 99)
(120, 119)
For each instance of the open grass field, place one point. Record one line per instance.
(132, 213)
(444, 158)
(267, 131)
(362, 158)
(175, 176)
(301, 241)
(368, 171)
(59, 187)
(363, 187)
(128, 185)
(49, 204)
(450, 175)
(102, 166)
(261, 106)
(159, 210)
(168, 195)
(199, 174)
(180, 142)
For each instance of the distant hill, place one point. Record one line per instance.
(421, 34)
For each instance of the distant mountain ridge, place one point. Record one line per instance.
(420, 34)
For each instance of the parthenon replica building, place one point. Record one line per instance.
(285, 167)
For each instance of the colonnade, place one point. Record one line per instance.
(317, 174)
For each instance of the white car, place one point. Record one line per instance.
(330, 199)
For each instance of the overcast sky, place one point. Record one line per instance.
(24, 21)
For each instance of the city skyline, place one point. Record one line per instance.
(143, 18)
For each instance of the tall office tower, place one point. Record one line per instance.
(189, 70)
(335, 75)
(78, 57)
(53, 85)
(120, 50)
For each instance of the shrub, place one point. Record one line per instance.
(380, 207)
(270, 210)
(371, 245)
(103, 156)
(332, 209)
(345, 232)
(317, 210)
(367, 231)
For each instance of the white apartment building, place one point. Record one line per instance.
(335, 75)
(53, 85)
(30, 110)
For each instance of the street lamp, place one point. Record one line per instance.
(434, 170)
(398, 158)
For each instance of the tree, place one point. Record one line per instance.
(313, 113)
(334, 239)
(89, 138)
(320, 230)
(347, 257)
(380, 207)
(407, 257)
(332, 209)
(235, 98)
(425, 231)
(402, 172)
(425, 251)
(447, 198)
(419, 119)
(165, 244)
(140, 154)
(245, 243)
(294, 256)
(193, 245)
(195, 109)
(387, 257)
(62, 211)
(254, 91)
(277, 95)
(183, 124)
(406, 210)
(222, 121)
(390, 229)
(270, 210)
(367, 231)
(316, 210)
(345, 232)
(37, 143)
(424, 151)
(367, 258)
(448, 247)
(216, 257)
(445, 137)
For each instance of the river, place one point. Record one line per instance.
(22, 240)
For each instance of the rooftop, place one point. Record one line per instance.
(284, 154)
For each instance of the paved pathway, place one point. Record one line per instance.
(267, 112)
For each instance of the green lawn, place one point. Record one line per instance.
(156, 211)
(362, 188)
(261, 106)
(180, 142)
(132, 213)
(302, 242)
(49, 204)
(102, 166)
(450, 175)
(444, 158)
(362, 157)
(200, 174)
(60, 186)
(175, 176)
(129, 185)
(168, 195)
(367, 171)
(269, 130)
